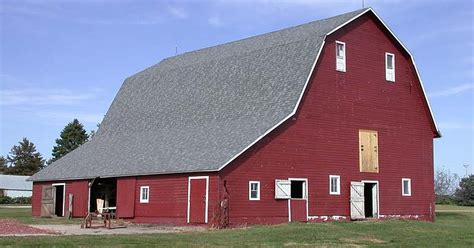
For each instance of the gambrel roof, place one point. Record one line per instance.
(199, 110)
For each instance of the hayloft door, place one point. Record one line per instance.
(357, 201)
(198, 189)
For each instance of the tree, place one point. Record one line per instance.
(72, 136)
(93, 132)
(445, 185)
(465, 193)
(24, 159)
(3, 165)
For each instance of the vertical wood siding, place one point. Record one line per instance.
(322, 139)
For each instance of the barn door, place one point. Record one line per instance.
(197, 199)
(357, 201)
(47, 201)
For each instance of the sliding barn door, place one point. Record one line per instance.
(357, 201)
(47, 201)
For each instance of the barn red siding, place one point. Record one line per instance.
(126, 197)
(78, 188)
(322, 139)
(80, 191)
(36, 198)
(168, 200)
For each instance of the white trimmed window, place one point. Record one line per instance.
(144, 194)
(334, 185)
(406, 187)
(254, 190)
(390, 67)
(340, 56)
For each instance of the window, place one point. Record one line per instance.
(144, 194)
(340, 56)
(390, 67)
(254, 190)
(368, 151)
(334, 185)
(406, 187)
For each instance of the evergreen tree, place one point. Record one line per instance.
(24, 159)
(465, 192)
(72, 136)
(3, 165)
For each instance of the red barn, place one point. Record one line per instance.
(323, 121)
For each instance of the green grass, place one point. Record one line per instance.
(454, 229)
(24, 216)
(454, 208)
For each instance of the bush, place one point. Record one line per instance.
(15, 200)
(445, 200)
(6, 200)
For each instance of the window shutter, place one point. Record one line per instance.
(282, 189)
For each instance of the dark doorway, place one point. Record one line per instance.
(104, 189)
(297, 189)
(369, 199)
(59, 200)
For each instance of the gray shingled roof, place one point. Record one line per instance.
(198, 110)
(11, 182)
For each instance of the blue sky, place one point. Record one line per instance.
(61, 60)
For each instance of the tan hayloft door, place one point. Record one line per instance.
(368, 151)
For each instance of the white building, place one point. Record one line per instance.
(15, 186)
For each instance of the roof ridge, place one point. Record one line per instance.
(264, 34)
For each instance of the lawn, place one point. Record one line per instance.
(455, 229)
(24, 215)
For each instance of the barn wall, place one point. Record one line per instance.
(169, 198)
(36, 198)
(78, 188)
(322, 139)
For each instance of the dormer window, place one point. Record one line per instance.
(390, 67)
(340, 56)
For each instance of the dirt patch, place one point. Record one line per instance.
(13, 227)
(129, 229)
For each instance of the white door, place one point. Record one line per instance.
(357, 201)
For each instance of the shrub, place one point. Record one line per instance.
(15, 200)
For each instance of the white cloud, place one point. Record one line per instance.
(37, 96)
(452, 91)
(215, 21)
(178, 12)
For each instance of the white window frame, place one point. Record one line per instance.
(343, 59)
(258, 191)
(387, 70)
(338, 192)
(64, 196)
(142, 200)
(403, 186)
